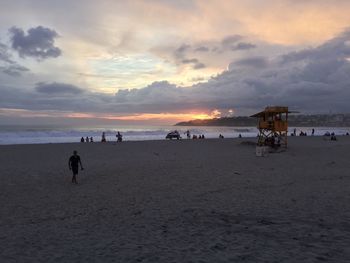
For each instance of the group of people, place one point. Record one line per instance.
(194, 137)
(87, 139)
(103, 139)
(188, 135)
(331, 135)
(302, 133)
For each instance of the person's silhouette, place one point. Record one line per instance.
(73, 165)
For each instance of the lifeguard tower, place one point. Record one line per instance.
(273, 126)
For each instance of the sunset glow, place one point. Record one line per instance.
(164, 116)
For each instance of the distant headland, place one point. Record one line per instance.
(317, 120)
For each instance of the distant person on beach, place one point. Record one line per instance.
(313, 132)
(82, 139)
(188, 134)
(295, 132)
(240, 136)
(103, 137)
(221, 136)
(302, 133)
(87, 139)
(91, 139)
(119, 137)
(73, 165)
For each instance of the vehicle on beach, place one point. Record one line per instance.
(173, 135)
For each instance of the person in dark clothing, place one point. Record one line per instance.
(188, 134)
(103, 137)
(119, 137)
(82, 139)
(73, 165)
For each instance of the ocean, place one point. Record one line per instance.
(63, 134)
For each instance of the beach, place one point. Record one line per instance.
(206, 200)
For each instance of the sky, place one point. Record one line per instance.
(160, 62)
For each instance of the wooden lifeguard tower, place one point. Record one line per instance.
(273, 126)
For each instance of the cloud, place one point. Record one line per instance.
(38, 42)
(13, 70)
(189, 61)
(199, 65)
(196, 64)
(197, 79)
(9, 66)
(4, 54)
(257, 62)
(242, 46)
(229, 40)
(181, 51)
(312, 80)
(202, 49)
(57, 88)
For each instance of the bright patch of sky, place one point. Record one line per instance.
(128, 71)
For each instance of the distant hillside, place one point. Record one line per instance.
(321, 120)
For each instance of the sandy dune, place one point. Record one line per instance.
(176, 201)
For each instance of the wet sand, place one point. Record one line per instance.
(176, 201)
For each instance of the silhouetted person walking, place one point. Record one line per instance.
(73, 165)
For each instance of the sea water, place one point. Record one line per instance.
(64, 134)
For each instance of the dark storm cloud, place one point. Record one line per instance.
(57, 88)
(312, 80)
(38, 42)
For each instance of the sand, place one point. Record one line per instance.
(176, 201)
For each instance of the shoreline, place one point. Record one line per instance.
(33, 136)
(160, 140)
